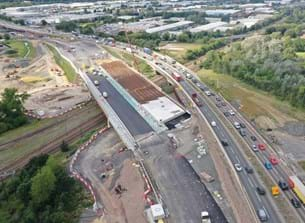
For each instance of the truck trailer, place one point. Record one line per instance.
(298, 187)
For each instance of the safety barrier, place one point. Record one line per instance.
(78, 176)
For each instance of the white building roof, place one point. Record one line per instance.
(163, 109)
(208, 27)
(218, 12)
(168, 27)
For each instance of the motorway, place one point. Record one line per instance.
(249, 181)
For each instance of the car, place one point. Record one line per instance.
(242, 132)
(262, 215)
(273, 160)
(208, 93)
(260, 190)
(96, 82)
(218, 98)
(236, 125)
(295, 202)
(105, 94)
(253, 138)
(224, 142)
(218, 105)
(249, 169)
(283, 185)
(254, 148)
(268, 165)
(232, 112)
(242, 125)
(261, 146)
(227, 114)
(238, 167)
(213, 123)
(198, 85)
(223, 104)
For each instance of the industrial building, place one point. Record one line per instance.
(169, 27)
(208, 27)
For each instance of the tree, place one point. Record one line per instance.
(43, 184)
(11, 109)
(44, 22)
(64, 147)
(7, 36)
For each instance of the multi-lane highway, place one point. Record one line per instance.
(249, 181)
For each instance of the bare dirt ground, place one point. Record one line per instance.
(43, 79)
(53, 101)
(137, 86)
(104, 159)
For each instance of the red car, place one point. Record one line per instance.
(261, 146)
(273, 160)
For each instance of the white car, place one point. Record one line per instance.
(208, 93)
(105, 95)
(238, 167)
(231, 112)
(237, 125)
(254, 148)
(213, 123)
(96, 82)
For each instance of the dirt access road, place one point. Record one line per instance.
(104, 158)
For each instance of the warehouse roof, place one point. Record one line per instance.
(168, 26)
(208, 27)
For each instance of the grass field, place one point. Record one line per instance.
(64, 65)
(24, 49)
(142, 66)
(301, 54)
(27, 145)
(178, 50)
(254, 103)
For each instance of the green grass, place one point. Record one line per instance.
(254, 102)
(24, 49)
(178, 50)
(28, 145)
(141, 66)
(301, 54)
(64, 65)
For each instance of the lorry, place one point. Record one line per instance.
(298, 187)
(205, 217)
(147, 51)
(176, 76)
(196, 100)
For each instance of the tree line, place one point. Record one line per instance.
(267, 63)
(42, 192)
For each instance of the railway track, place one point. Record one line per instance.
(54, 145)
(5, 145)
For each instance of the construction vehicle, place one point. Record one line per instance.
(275, 191)
(298, 187)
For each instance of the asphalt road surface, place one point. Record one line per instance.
(128, 115)
(250, 181)
(181, 189)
